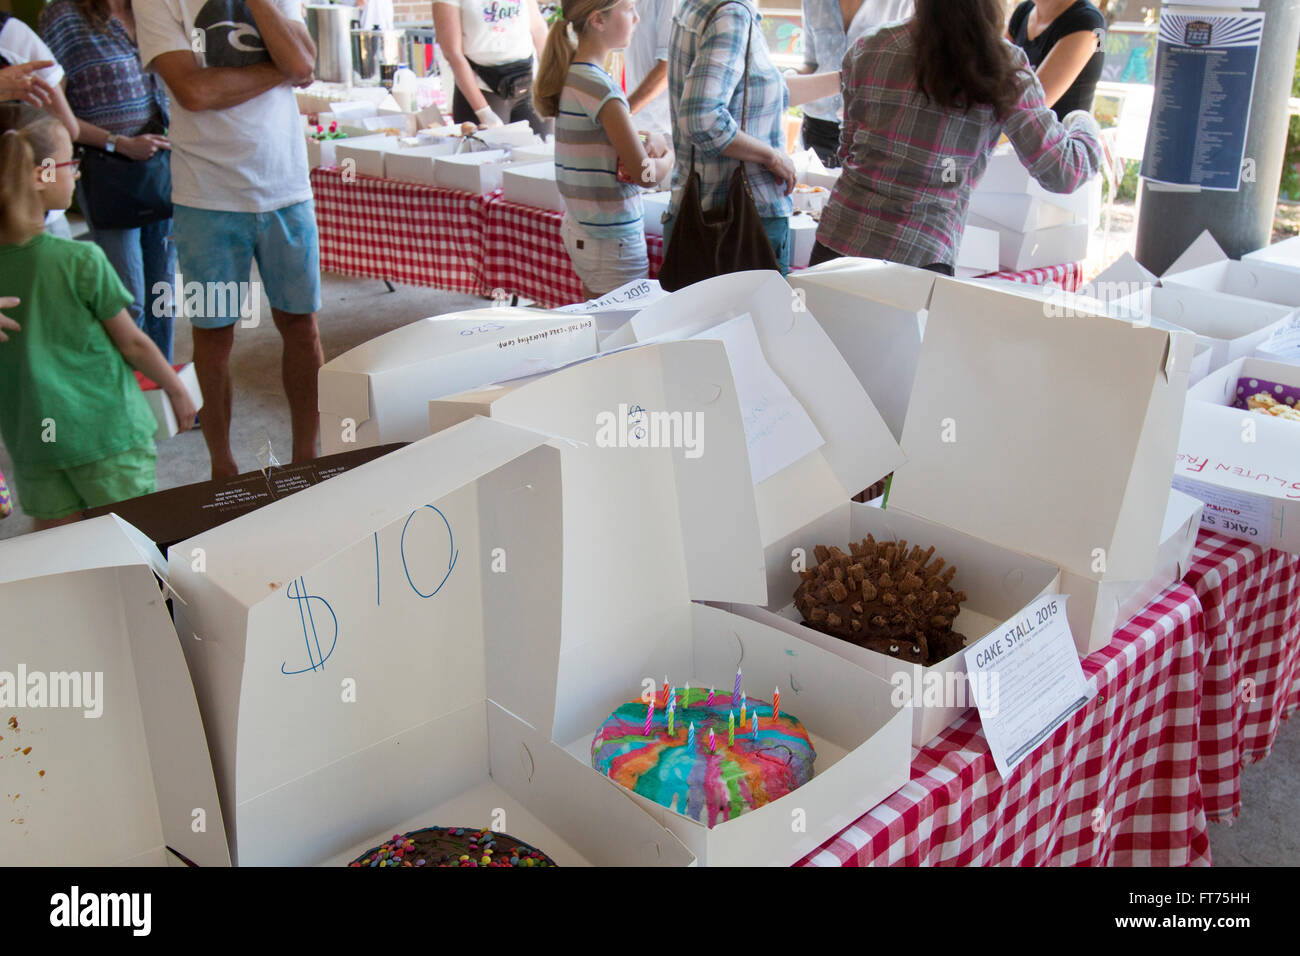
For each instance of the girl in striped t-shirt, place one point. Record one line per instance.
(599, 156)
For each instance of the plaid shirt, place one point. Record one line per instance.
(909, 166)
(705, 92)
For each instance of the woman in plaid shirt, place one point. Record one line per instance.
(925, 103)
(706, 63)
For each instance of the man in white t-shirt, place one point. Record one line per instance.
(489, 45)
(646, 58)
(241, 191)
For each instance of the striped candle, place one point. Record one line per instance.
(690, 738)
(672, 711)
(755, 725)
(665, 692)
(736, 693)
(731, 728)
(686, 695)
(776, 703)
(710, 696)
(713, 743)
(742, 708)
(649, 717)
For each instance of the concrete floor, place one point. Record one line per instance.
(356, 310)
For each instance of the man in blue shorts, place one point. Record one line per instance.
(241, 191)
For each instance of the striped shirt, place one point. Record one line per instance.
(586, 163)
(910, 166)
(705, 95)
(106, 84)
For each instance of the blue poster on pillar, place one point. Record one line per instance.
(1205, 79)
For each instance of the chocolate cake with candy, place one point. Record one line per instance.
(885, 598)
(453, 846)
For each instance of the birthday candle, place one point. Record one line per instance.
(690, 738)
(776, 703)
(755, 725)
(671, 712)
(742, 708)
(649, 717)
(665, 691)
(736, 692)
(710, 696)
(731, 728)
(713, 744)
(686, 695)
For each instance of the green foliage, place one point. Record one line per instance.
(1127, 191)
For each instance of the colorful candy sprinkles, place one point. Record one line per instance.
(454, 846)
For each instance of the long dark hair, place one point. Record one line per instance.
(96, 12)
(961, 60)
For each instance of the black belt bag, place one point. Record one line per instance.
(123, 193)
(507, 80)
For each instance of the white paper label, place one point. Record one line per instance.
(778, 430)
(1283, 346)
(1026, 680)
(638, 293)
(1232, 512)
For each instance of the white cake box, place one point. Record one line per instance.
(1253, 280)
(532, 184)
(996, 441)
(998, 584)
(1240, 461)
(414, 164)
(803, 235)
(1097, 609)
(441, 669)
(320, 152)
(1005, 173)
(366, 154)
(978, 253)
(874, 312)
(1018, 251)
(686, 530)
(1226, 327)
(536, 153)
(654, 205)
(382, 387)
(1019, 211)
(478, 173)
(1280, 255)
(813, 198)
(161, 405)
(857, 446)
(116, 780)
(821, 177)
(352, 110)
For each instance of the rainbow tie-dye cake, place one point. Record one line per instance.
(709, 786)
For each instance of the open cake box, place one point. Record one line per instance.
(108, 766)
(1245, 466)
(383, 386)
(1095, 474)
(806, 503)
(651, 531)
(377, 653)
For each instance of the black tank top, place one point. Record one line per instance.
(1080, 17)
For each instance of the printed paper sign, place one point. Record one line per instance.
(636, 294)
(778, 430)
(1027, 680)
(1283, 345)
(1232, 512)
(1205, 80)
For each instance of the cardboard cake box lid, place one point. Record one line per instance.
(1012, 437)
(1282, 255)
(118, 780)
(858, 447)
(169, 516)
(874, 312)
(383, 384)
(687, 518)
(373, 610)
(1206, 267)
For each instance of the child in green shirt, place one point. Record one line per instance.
(71, 414)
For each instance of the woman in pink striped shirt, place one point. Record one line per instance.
(925, 103)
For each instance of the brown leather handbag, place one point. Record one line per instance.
(727, 239)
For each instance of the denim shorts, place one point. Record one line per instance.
(604, 264)
(216, 248)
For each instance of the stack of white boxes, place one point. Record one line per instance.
(1035, 227)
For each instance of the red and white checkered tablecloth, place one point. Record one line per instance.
(404, 232)
(1251, 602)
(1115, 785)
(1067, 276)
